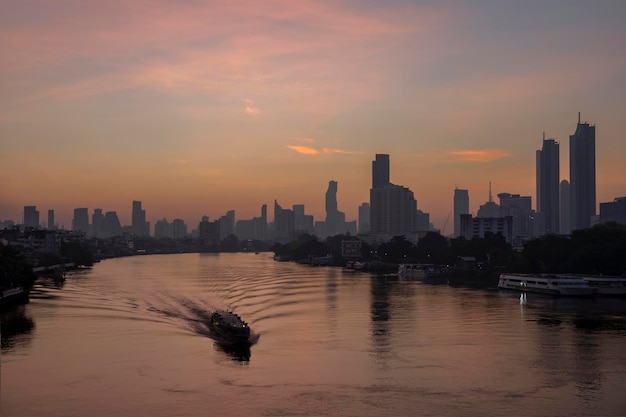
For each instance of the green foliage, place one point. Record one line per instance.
(599, 249)
(14, 268)
(77, 252)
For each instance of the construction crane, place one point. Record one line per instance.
(443, 231)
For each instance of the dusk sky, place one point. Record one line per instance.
(199, 107)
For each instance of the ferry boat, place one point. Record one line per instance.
(229, 327)
(546, 284)
(615, 286)
(422, 271)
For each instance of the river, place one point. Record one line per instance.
(128, 338)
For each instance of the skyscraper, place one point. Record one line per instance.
(364, 218)
(96, 222)
(31, 216)
(548, 184)
(51, 220)
(564, 201)
(80, 222)
(461, 206)
(380, 171)
(139, 225)
(582, 175)
(335, 220)
(392, 207)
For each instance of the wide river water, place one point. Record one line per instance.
(128, 338)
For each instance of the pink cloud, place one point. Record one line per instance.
(251, 108)
(483, 155)
(341, 151)
(303, 149)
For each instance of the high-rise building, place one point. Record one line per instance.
(335, 220)
(111, 225)
(139, 225)
(284, 224)
(51, 225)
(96, 222)
(519, 208)
(548, 184)
(614, 211)
(364, 218)
(461, 206)
(179, 228)
(380, 171)
(582, 175)
(565, 220)
(80, 222)
(31, 216)
(227, 224)
(392, 207)
(303, 223)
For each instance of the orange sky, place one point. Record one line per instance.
(197, 108)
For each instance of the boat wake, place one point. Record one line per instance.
(196, 317)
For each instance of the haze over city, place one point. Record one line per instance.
(197, 108)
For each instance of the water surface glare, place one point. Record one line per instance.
(128, 337)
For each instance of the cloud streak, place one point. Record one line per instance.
(482, 155)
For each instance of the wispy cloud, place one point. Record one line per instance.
(482, 155)
(341, 151)
(303, 149)
(251, 108)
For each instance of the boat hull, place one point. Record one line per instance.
(546, 284)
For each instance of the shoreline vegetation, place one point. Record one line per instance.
(598, 250)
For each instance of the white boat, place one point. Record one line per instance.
(229, 327)
(607, 285)
(546, 284)
(421, 271)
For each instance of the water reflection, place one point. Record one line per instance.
(15, 328)
(238, 353)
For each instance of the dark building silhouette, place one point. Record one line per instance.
(564, 203)
(461, 206)
(364, 218)
(548, 184)
(582, 173)
(335, 222)
(80, 222)
(614, 211)
(139, 225)
(96, 222)
(51, 225)
(31, 216)
(284, 224)
(111, 225)
(380, 171)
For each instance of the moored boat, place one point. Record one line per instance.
(546, 284)
(422, 271)
(228, 327)
(615, 286)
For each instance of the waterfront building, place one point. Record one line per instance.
(422, 221)
(364, 218)
(51, 225)
(162, 229)
(284, 224)
(179, 229)
(80, 222)
(490, 208)
(31, 217)
(139, 225)
(254, 229)
(303, 223)
(111, 225)
(614, 211)
(461, 206)
(96, 222)
(472, 227)
(548, 184)
(519, 208)
(380, 171)
(565, 221)
(335, 222)
(227, 224)
(582, 175)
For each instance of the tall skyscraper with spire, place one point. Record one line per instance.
(582, 175)
(548, 184)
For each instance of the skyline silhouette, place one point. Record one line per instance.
(196, 109)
